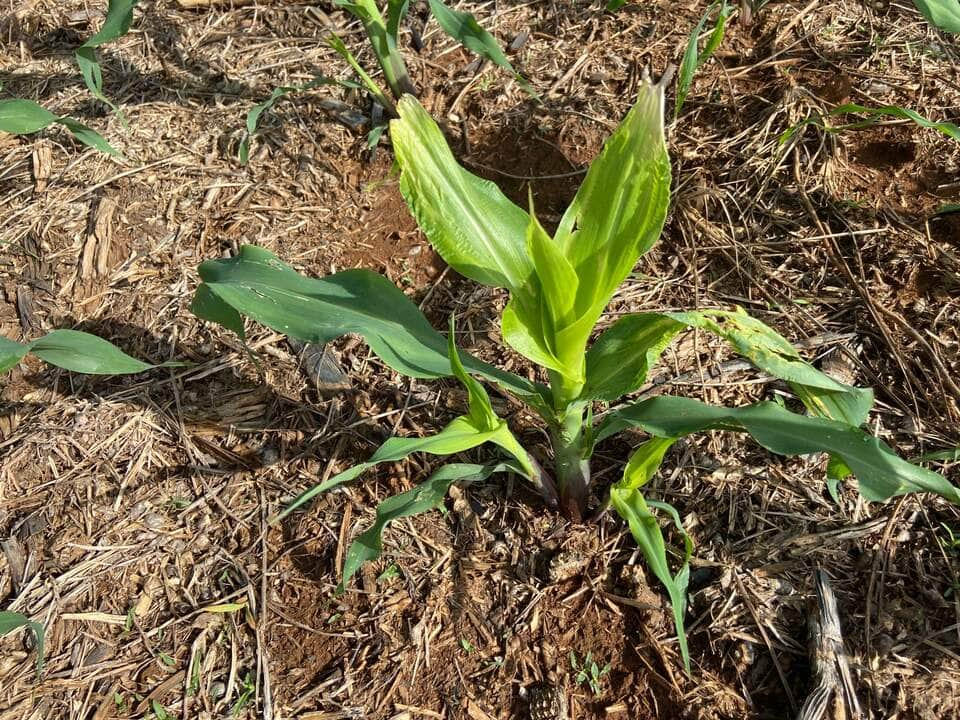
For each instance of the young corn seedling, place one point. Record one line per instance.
(558, 289)
(383, 34)
(115, 25)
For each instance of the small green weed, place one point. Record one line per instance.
(588, 671)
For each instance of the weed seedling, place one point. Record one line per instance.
(588, 672)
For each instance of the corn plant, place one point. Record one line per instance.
(383, 35)
(558, 289)
(693, 57)
(115, 25)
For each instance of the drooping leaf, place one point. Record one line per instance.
(424, 497)
(459, 435)
(947, 128)
(480, 426)
(115, 25)
(630, 504)
(257, 111)
(474, 227)
(87, 136)
(256, 284)
(464, 28)
(620, 359)
(10, 621)
(944, 14)
(772, 353)
(693, 59)
(22, 117)
(208, 306)
(880, 472)
(482, 415)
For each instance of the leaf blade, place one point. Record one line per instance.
(881, 473)
(475, 228)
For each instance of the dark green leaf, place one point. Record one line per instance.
(115, 25)
(881, 473)
(618, 362)
(256, 284)
(22, 117)
(87, 136)
(11, 352)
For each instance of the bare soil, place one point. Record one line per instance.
(134, 512)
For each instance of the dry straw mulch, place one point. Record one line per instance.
(134, 512)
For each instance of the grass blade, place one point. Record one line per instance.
(464, 28)
(10, 621)
(947, 128)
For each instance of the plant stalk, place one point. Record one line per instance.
(572, 467)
